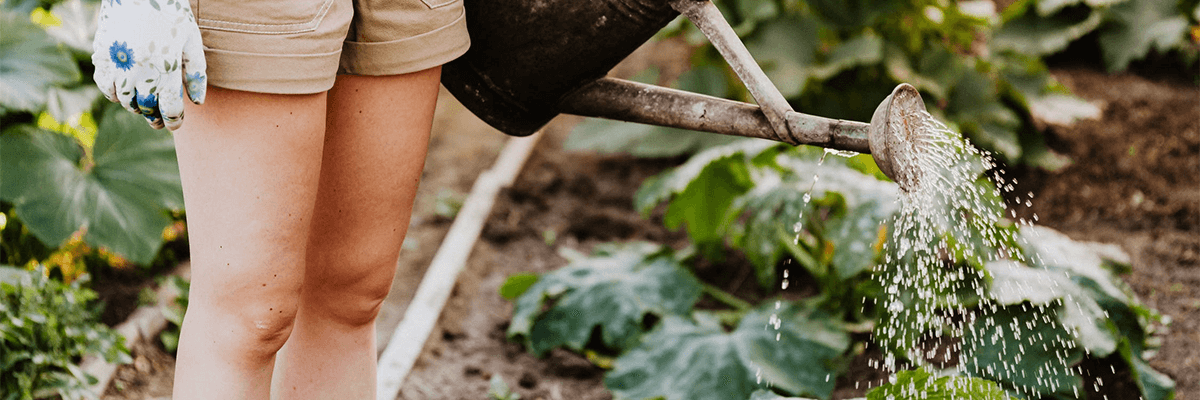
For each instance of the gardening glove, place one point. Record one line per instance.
(145, 52)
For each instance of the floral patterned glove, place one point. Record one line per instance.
(145, 51)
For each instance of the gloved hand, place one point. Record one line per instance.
(144, 52)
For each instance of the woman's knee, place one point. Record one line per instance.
(253, 327)
(350, 288)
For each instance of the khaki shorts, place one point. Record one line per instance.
(299, 46)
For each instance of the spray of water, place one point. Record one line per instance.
(937, 311)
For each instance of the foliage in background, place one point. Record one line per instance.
(637, 300)
(45, 328)
(840, 59)
(1124, 30)
(174, 313)
(74, 165)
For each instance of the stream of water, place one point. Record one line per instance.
(950, 226)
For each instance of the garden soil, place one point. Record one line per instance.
(1134, 182)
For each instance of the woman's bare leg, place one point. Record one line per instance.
(250, 165)
(375, 142)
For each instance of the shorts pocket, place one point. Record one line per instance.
(438, 3)
(269, 17)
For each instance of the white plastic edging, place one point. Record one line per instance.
(409, 337)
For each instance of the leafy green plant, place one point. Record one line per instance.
(839, 60)
(112, 180)
(614, 290)
(745, 197)
(45, 328)
(1126, 30)
(1081, 307)
(696, 357)
(749, 196)
(174, 313)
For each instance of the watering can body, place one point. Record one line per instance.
(531, 60)
(526, 55)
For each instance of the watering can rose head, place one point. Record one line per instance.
(895, 135)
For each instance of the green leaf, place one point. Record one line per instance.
(705, 79)
(1040, 35)
(1013, 283)
(975, 105)
(1135, 27)
(30, 64)
(697, 359)
(701, 190)
(786, 49)
(122, 200)
(78, 25)
(516, 285)
(1153, 384)
(1026, 352)
(614, 290)
(920, 384)
(67, 104)
(864, 49)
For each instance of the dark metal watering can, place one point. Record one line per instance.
(531, 60)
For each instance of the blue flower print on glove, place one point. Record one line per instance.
(148, 55)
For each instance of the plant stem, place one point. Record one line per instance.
(725, 297)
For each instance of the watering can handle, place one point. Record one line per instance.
(705, 15)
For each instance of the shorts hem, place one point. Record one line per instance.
(406, 55)
(272, 73)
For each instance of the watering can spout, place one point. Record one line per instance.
(531, 60)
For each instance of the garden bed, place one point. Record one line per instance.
(1147, 200)
(1135, 183)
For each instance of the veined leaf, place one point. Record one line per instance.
(920, 384)
(697, 359)
(1135, 27)
(1037, 34)
(701, 190)
(1013, 283)
(612, 291)
(30, 64)
(122, 200)
(1025, 352)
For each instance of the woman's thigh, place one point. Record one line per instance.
(376, 137)
(250, 164)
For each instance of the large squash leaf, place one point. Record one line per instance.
(701, 191)
(30, 64)
(612, 291)
(122, 201)
(698, 359)
(1026, 352)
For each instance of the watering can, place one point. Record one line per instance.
(531, 60)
